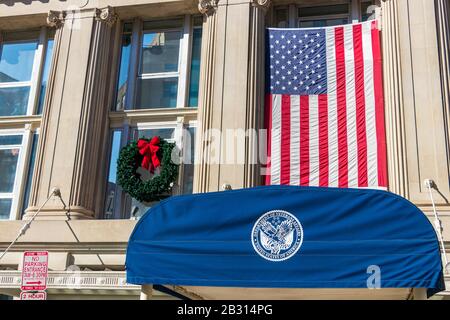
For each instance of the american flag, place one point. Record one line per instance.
(324, 106)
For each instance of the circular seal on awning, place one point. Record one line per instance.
(277, 235)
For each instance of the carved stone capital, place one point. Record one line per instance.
(263, 4)
(207, 7)
(56, 18)
(106, 15)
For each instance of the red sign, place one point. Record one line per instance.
(33, 295)
(34, 271)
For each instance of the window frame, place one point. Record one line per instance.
(19, 174)
(36, 73)
(128, 134)
(354, 12)
(135, 63)
(128, 120)
(28, 124)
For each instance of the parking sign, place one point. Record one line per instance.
(34, 271)
(33, 295)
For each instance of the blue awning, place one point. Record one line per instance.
(286, 237)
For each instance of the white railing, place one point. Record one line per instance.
(106, 280)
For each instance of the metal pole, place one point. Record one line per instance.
(25, 227)
(437, 222)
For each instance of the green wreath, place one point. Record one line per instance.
(134, 155)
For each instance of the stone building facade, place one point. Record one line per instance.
(81, 78)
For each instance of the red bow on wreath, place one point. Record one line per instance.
(149, 150)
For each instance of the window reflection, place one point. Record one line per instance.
(160, 52)
(195, 67)
(188, 160)
(8, 166)
(111, 189)
(5, 208)
(157, 93)
(46, 72)
(26, 197)
(122, 84)
(14, 101)
(16, 61)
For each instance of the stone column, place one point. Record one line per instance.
(420, 294)
(231, 93)
(146, 292)
(415, 56)
(71, 154)
(443, 26)
(393, 94)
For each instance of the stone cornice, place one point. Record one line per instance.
(106, 15)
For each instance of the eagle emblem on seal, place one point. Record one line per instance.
(277, 235)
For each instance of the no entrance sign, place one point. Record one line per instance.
(34, 271)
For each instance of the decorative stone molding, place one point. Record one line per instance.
(55, 19)
(263, 4)
(106, 15)
(207, 7)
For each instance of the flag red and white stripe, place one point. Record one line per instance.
(336, 139)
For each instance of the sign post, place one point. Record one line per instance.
(34, 275)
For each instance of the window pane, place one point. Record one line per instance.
(16, 61)
(157, 93)
(160, 52)
(14, 101)
(367, 11)
(281, 18)
(322, 23)
(188, 160)
(5, 208)
(323, 10)
(10, 140)
(111, 192)
(26, 196)
(124, 65)
(163, 24)
(165, 133)
(8, 166)
(47, 65)
(195, 67)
